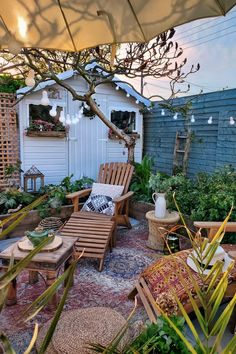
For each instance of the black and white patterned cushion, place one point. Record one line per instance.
(99, 204)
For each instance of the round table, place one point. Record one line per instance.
(158, 228)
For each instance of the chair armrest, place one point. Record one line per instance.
(76, 195)
(79, 194)
(123, 197)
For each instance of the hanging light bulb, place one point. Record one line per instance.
(45, 100)
(175, 116)
(137, 101)
(62, 118)
(80, 114)
(209, 120)
(231, 121)
(14, 46)
(127, 95)
(68, 120)
(53, 111)
(86, 106)
(162, 112)
(30, 81)
(73, 120)
(117, 88)
(192, 118)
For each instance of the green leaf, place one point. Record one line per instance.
(230, 347)
(37, 305)
(56, 318)
(33, 339)
(7, 347)
(224, 315)
(19, 266)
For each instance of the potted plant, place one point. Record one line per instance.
(160, 184)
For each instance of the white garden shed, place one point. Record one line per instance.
(86, 144)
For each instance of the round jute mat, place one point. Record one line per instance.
(76, 329)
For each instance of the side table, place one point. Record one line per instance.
(47, 262)
(158, 228)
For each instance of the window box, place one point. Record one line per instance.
(113, 136)
(51, 134)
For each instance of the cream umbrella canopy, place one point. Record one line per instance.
(73, 25)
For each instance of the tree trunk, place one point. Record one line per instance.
(129, 140)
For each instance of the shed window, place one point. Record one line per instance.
(38, 114)
(124, 120)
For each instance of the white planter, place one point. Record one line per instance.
(160, 204)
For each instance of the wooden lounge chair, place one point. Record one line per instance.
(96, 231)
(116, 173)
(152, 285)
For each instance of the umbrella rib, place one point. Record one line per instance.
(67, 25)
(221, 7)
(136, 18)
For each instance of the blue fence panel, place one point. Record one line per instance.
(212, 146)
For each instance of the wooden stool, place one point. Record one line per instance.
(94, 232)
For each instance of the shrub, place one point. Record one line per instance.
(140, 180)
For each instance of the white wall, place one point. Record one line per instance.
(49, 155)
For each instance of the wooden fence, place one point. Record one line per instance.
(212, 146)
(9, 146)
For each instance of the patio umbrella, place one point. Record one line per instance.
(73, 25)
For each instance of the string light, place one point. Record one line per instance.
(45, 100)
(175, 116)
(231, 121)
(137, 101)
(68, 120)
(209, 120)
(62, 118)
(117, 88)
(53, 111)
(162, 112)
(127, 95)
(30, 81)
(192, 118)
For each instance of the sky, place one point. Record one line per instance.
(211, 43)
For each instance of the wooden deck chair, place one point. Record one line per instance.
(117, 173)
(159, 279)
(95, 231)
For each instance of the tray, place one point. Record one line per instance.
(26, 245)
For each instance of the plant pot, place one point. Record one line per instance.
(51, 134)
(139, 209)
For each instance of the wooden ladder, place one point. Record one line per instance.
(181, 152)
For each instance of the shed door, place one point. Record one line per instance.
(88, 146)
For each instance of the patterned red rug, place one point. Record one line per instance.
(108, 288)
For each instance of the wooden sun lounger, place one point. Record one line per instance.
(94, 234)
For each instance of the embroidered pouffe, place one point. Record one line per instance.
(77, 329)
(158, 228)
